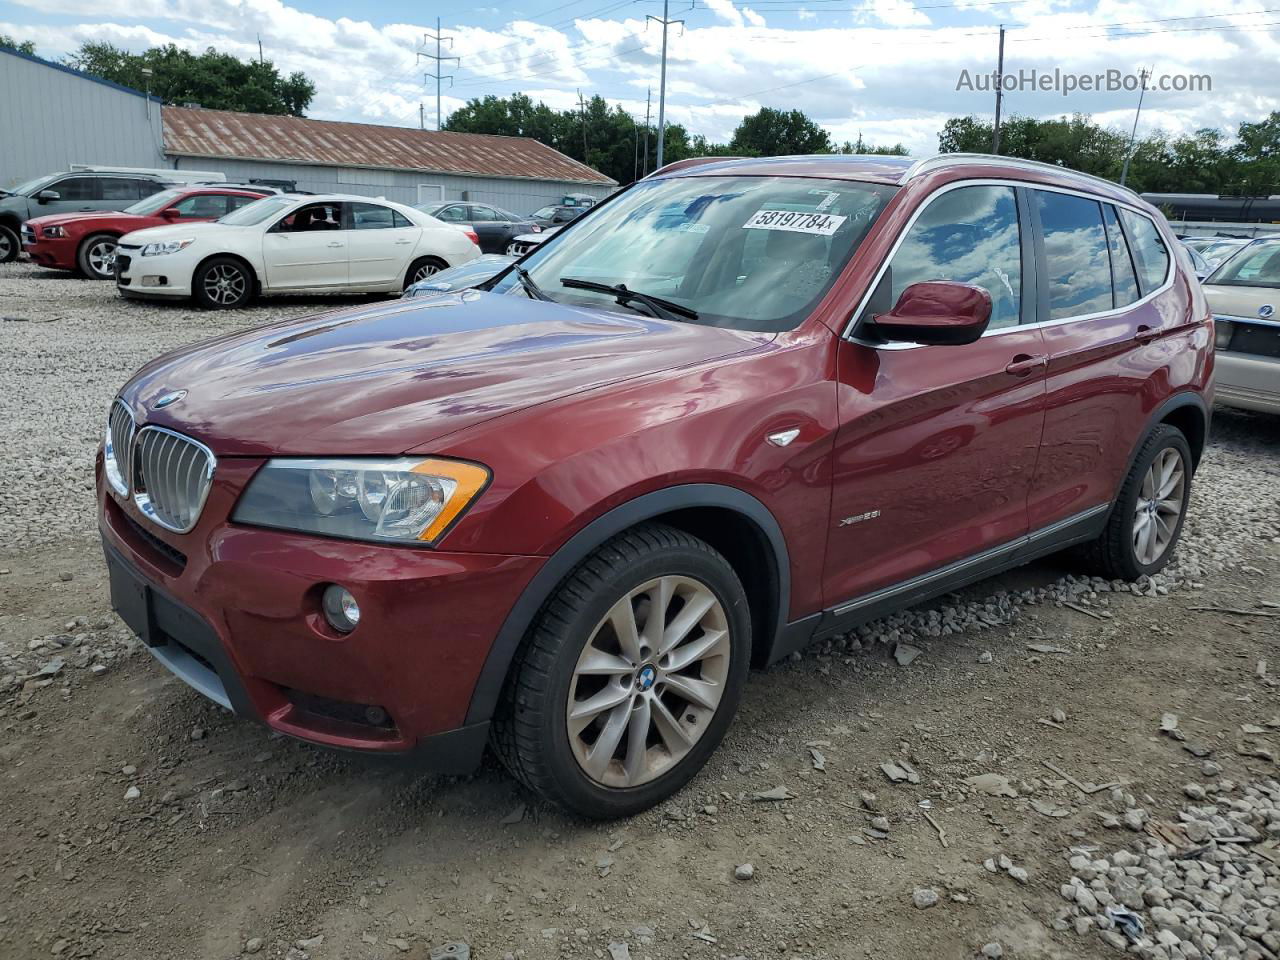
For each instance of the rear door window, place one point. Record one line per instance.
(1123, 279)
(119, 188)
(207, 206)
(1149, 252)
(1077, 263)
(969, 235)
(371, 216)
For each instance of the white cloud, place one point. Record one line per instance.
(895, 13)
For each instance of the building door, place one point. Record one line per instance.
(430, 193)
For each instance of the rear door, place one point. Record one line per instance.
(381, 242)
(307, 248)
(937, 445)
(1105, 342)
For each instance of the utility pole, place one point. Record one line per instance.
(259, 49)
(582, 113)
(422, 117)
(439, 59)
(662, 83)
(644, 165)
(995, 134)
(1133, 135)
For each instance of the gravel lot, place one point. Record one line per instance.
(859, 808)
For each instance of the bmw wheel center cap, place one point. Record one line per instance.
(646, 677)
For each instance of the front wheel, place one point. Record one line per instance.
(97, 257)
(8, 243)
(1146, 520)
(630, 676)
(222, 283)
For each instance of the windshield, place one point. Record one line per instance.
(33, 186)
(258, 211)
(1258, 266)
(544, 212)
(751, 253)
(156, 201)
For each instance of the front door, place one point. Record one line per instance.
(77, 193)
(380, 245)
(937, 445)
(307, 249)
(491, 227)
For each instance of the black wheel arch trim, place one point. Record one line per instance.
(488, 688)
(1184, 398)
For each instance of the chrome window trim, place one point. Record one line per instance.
(143, 501)
(1170, 271)
(1232, 318)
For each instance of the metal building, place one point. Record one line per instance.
(52, 116)
(398, 163)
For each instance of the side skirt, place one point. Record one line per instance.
(843, 617)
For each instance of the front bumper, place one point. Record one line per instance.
(55, 254)
(1248, 381)
(234, 612)
(164, 276)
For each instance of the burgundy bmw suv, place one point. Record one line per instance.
(740, 405)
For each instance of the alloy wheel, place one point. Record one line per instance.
(1159, 506)
(648, 681)
(6, 246)
(102, 258)
(225, 284)
(424, 271)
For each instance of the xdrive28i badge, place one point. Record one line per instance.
(169, 399)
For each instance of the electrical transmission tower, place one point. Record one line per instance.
(438, 59)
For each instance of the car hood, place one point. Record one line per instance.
(61, 219)
(1242, 301)
(176, 231)
(385, 379)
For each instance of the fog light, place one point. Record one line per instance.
(340, 608)
(376, 716)
(155, 280)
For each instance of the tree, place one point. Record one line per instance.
(26, 46)
(211, 79)
(775, 133)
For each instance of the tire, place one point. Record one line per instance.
(222, 283)
(422, 268)
(9, 243)
(96, 257)
(1122, 551)
(534, 730)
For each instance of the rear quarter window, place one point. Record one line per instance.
(1150, 254)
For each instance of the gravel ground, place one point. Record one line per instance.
(1044, 765)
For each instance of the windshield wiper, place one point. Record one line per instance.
(664, 309)
(526, 281)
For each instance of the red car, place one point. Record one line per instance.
(737, 407)
(87, 241)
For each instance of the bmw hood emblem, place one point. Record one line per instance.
(169, 399)
(1265, 311)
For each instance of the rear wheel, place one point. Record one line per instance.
(8, 243)
(97, 256)
(222, 283)
(630, 676)
(1146, 520)
(422, 268)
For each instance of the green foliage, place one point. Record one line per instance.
(214, 80)
(779, 133)
(1203, 162)
(25, 46)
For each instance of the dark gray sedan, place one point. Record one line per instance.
(495, 227)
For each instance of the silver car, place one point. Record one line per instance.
(1244, 294)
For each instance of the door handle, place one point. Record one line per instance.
(336, 243)
(1145, 333)
(1023, 364)
(401, 243)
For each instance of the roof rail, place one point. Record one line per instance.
(686, 163)
(942, 160)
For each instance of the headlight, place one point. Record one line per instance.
(402, 500)
(54, 232)
(1222, 330)
(167, 246)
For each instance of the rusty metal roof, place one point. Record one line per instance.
(195, 132)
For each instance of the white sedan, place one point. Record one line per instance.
(290, 244)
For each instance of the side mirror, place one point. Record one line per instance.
(44, 196)
(938, 312)
(171, 213)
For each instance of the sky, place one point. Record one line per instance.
(887, 70)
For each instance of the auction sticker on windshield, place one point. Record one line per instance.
(822, 224)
